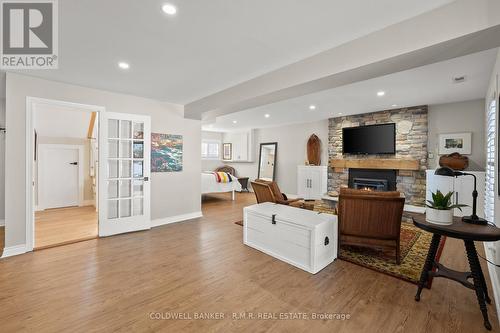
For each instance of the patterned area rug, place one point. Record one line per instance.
(414, 246)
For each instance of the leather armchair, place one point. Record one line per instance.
(370, 219)
(266, 191)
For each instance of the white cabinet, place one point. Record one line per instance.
(312, 181)
(300, 237)
(241, 144)
(462, 186)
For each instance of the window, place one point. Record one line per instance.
(210, 149)
(491, 128)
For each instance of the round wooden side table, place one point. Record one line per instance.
(468, 233)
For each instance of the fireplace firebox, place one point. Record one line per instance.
(372, 179)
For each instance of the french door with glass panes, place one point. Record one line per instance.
(124, 199)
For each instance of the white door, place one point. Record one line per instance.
(302, 183)
(124, 173)
(315, 183)
(58, 175)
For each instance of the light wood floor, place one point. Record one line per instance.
(55, 227)
(115, 283)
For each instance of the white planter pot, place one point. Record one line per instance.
(437, 216)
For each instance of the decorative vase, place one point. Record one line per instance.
(439, 216)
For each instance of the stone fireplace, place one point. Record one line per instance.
(375, 180)
(411, 147)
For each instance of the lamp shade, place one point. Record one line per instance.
(445, 171)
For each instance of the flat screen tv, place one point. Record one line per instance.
(371, 139)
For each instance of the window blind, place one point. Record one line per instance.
(491, 128)
(210, 149)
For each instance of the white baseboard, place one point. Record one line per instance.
(493, 275)
(14, 250)
(87, 203)
(175, 219)
(2, 223)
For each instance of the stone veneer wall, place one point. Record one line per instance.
(411, 142)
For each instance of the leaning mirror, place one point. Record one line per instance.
(267, 161)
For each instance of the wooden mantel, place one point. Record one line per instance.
(375, 163)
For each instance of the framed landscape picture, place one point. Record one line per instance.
(455, 143)
(227, 151)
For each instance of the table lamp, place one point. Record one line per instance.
(449, 172)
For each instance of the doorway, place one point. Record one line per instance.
(116, 188)
(65, 164)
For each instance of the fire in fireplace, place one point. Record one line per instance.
(372, 179)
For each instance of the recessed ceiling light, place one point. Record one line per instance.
(312, 107)
(340, 113)
(123, 65)
(235, 121)
(380, 93)
(394, 105)
(169, 9)
(267, 115)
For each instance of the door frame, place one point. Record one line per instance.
(31, 103)
(42, 148)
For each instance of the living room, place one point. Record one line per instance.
(348, 159)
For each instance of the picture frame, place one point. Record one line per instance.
(455, 143)
(227, 151)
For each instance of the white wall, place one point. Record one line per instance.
(292, 141)
(458, 117)
(2, 160)
(172, 194)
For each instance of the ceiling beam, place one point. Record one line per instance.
(460, 28)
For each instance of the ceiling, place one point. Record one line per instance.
(431, 84)
(208, 45)
(61, 122)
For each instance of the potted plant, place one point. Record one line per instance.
(440, 208)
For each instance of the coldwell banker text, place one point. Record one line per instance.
(29, 34)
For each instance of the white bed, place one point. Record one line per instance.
(210, 185)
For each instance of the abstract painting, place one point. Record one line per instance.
(166, 152)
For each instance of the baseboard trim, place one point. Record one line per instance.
(493, 276)
(14, 250)
(87, 203)
(175, 219)
(2, 223)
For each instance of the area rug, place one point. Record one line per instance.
(414, 247)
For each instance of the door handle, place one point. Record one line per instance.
(73, 163)
(146, 179)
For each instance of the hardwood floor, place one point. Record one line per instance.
(54, 227)
(201, 266)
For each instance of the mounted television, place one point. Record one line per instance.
(371, 139)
